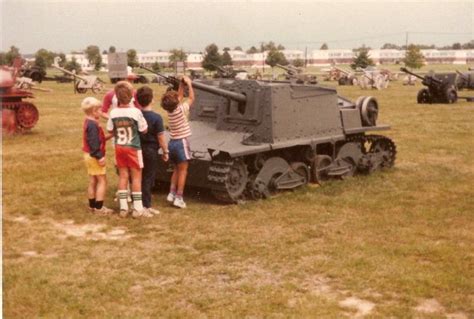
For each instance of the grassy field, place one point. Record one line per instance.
(397, 243)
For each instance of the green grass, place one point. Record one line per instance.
(394, 238)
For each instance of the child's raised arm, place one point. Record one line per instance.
(189, 84)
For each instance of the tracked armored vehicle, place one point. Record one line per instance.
(253, 138)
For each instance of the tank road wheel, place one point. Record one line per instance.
(352, 168)
(369, 111)
(451, 96)
(27, 116)
(320, 168)
(230, 179)
(302, 170)
(423, 97)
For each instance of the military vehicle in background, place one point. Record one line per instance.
(297, 75)
(345, 77)
(35, 73)
(82, 83)
(440, 87)
(228, 72)
(18, 116)
(254, 138)
(465, 80)
(373, 78)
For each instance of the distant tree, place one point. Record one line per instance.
(298, 63)
(390, 46)
(177, 55)
(362, 48)
(44, 58)
(468, 45)
(280, 47)
(3, 58)
(324, 47)
(112, 49)
(11, 55)
(362, 60)
(211, 58)
(226, 58)
(156, 67)
(457, 46)
(132, 58)
(238, 48)
(73, 65)
(413, 59)
(252, 50)
(62, 62)
(271, 46)
(275, 57)
(94, 56)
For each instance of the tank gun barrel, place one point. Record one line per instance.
(464, 76)
(203, 87)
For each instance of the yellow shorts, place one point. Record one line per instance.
(93, 167)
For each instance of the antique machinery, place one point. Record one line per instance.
(346, 77)
(465, 80)
(440, 88)
(83, 83)
(229, 72)
(17, 115)
(253, 138)
(373, 79)
(296, 75)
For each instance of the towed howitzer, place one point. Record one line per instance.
(440, 88)
(373, 79)
(296, 74)
(346, 77)
(86, 82)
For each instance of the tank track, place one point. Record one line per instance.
(372, 139)
(217, 176)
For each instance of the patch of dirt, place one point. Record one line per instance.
(21, 219)
(32, 253)
(363, 307)
(92, 231)
(457, 315)
(429, 306)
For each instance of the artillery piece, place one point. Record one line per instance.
(253, 138)
(346, 77)
(294, 74)
(82, 83)
(17, 115)
(440, 88)
(374, 79)
(465, 80)
(229, 73)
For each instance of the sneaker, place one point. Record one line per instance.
(123, 213)
(103, 211)
(170, 197)
(153, 211)
(179, 202)
(91, 209)
(143, 213)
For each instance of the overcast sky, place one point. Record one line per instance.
(146, 26)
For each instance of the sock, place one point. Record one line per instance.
(122, 195)
(99, 204)
(179, 194)
(91, 202)
(173, 189)
(137, 201)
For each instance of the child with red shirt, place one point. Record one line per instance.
(93, 146)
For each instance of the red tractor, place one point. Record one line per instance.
(17, 115)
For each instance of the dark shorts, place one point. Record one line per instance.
(179, 150)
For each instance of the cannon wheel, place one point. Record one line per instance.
(423, 97)
(27, 116)
(451, 96)
(97, 87)
(80, 90)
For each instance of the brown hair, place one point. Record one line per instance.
(170, 101)
(124, 92)
(144, 96)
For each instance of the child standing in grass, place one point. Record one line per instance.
(93, 146)
(151, 141)
(125, 122)
(178, 146)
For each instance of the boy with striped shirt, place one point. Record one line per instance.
(179, 150)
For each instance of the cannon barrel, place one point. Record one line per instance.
(203, 87)
(464, 76)
(341, 70)
(69, 72)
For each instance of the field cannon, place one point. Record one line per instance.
(346, 77)
(297, 75)
(374, 79)
(440, 88)
(243, 146)
(83, 83)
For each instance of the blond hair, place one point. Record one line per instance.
(90, 104)
(123, 92)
